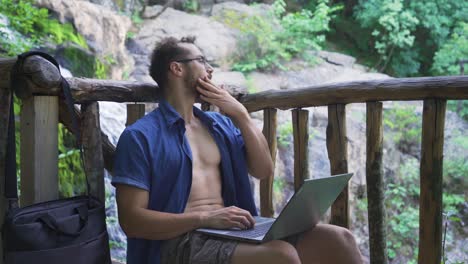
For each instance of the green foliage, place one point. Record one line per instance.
(455, 49)
(130, 35)
(136, 19)
(251, 88)
(403, 222)
(460, 107)
(305, 30)
(24, 17)
(81, 62)
(402, 203)
(400, 37)
(405, 125)
(114, 244)
(402, 193)
(72, 179)
(17, 111)
(455, 167)
(258, 47)
(191, 6)
(285, 132)
(35, 24)
(279, 185)
(451, 201)
(268, 40)
(84, 64)
(391, 25)
(60, 33)
(102, 66)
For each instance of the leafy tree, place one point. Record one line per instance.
(267, 41)
(391, 26)
(455, 49)
(399, 37)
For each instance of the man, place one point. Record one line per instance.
(178, 169)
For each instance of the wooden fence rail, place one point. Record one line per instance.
(42, 91)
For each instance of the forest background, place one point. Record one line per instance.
(396, 37)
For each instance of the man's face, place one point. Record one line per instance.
(195, 66)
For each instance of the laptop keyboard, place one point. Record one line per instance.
(259, 230)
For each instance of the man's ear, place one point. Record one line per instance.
(175, 68)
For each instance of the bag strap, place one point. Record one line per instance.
(11, 191)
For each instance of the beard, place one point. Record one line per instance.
(191, 82)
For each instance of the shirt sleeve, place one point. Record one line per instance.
(236, 133)
(131, 163)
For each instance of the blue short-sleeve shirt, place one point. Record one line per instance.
(153, 154)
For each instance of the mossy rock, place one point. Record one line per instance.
(79, 61)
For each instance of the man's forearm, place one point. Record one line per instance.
(154, 225)
(258, 152)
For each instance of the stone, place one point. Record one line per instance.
(125, 6)
(336, 58)
(215, 40)
(219, 9)
(104, 30)
(233, 80)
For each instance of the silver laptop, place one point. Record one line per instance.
(301, 213)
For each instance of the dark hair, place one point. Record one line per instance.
(165, 52)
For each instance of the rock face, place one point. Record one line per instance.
(301, 73)
(104, 30)
(218, 10)
(215, 40)
(127, 6)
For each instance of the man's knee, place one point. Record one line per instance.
(283, 252)
(334, 234)
(346, 236)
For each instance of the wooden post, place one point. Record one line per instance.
(108, 148)
(4, 115)
(375, 185)
(134, 112)
(39, 149)
(266, 185)
(92, 150)
(430, 200)
(300, 122)
(337, 147)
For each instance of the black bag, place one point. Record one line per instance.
(70, 231)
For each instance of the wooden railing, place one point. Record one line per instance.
(41, 110)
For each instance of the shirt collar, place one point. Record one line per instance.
(171, 116)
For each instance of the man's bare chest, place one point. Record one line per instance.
(203, 147)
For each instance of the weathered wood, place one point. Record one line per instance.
(454, 87)
(92, 149)
(337, 147)
(108, 148)
(5, 68)
(116, 91)
(4, 116)
(38, 74)
(39, 149)
(300, 120)
(430, 199)
(266, 185)
(134, 112)
(445, 87)
(375, 185)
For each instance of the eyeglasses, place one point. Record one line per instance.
(199, 59)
